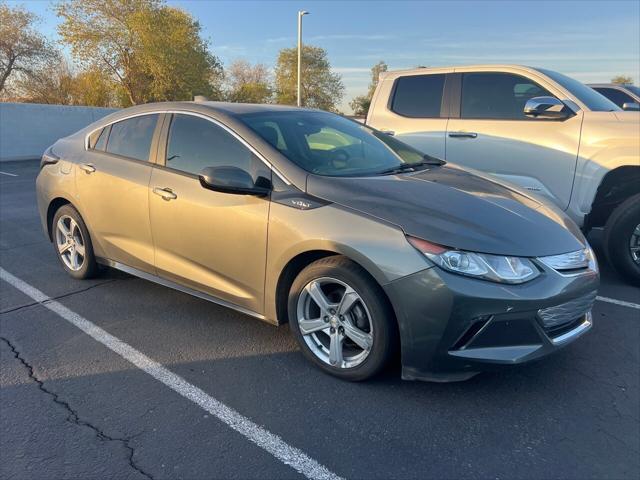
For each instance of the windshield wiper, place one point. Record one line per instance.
(405, 167)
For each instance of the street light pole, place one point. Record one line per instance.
(301, 13)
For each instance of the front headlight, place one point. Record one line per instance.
(495, 268)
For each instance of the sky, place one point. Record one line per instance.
(589, 40)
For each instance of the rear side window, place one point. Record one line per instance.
(500, 96)
(132, 137)
(101, 141)
(616, 96)
(195, 143)
(418, 96)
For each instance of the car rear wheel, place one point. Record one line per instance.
(73, 244)
(622, 239)
(340, 318)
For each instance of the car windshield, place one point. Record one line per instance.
(594, 101)
(328, 144)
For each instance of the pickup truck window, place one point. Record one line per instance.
(500, 96)
(616, 96)
(418, 96)
(592, 99)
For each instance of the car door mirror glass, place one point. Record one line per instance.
(631, 106)
(545, 107)
(228, 179)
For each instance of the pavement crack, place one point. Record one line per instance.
(73, 416)
(64, 295)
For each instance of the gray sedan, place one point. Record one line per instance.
(364, 245)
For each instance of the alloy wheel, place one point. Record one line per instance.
(634, 245)
(70, 243)
(335, 323)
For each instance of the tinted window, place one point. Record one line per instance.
(616, 96)
(592, 99)
(132, 137)
(497, 95)
(328, 144)
(633, 88)
(418, 96)
(101, 143)
(195, 143)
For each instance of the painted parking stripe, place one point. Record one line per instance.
(9, 174)
(266, 440)
(619, 302)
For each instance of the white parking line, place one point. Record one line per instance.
(619, 302)
(7, 173)
(266, 440)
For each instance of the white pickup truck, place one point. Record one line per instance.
(538, 129)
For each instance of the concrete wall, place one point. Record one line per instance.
(27, 129)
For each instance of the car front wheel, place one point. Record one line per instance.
(622, 239)
(341, 319)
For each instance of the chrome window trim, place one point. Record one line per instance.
(204, 117)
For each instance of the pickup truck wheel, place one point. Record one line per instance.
(622, 239)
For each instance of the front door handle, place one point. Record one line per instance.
(166, 193)
(463, 134)
(388, 132)
(87, 167)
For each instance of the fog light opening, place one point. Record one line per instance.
(477, 324)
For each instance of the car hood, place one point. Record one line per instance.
(452, 207)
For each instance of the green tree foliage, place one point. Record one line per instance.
(151, 51)
(622, 79)
(321, 88)
(360, 104)
(248, 83)
(22, 49)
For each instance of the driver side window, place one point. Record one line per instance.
(194, 143)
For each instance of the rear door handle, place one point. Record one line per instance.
(87, 167)
(463, 134)
(166, 193)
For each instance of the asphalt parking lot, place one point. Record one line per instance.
(70, 407)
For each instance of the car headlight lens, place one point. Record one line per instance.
(496, 268)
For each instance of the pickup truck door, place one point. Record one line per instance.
(413, 111)
(490, 132)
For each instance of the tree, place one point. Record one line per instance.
(622, 79)
(248, 83)
(55, 82)
(321, 88)
(360, 104)
(153, 52)
(22, 49)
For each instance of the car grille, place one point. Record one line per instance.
(559, 315)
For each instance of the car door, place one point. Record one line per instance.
(490, 132)
(112, 186)
(207, 240)
(414, 112)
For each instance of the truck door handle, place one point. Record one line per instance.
(166, 193)
(87, 167)
(463, 134)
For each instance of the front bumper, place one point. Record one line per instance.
(453, 327)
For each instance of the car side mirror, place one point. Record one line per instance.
(233, 180)
(632, 106)
(545, 107)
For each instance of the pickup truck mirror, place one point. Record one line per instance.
(545, 107)
(633, 106)
(233, 180)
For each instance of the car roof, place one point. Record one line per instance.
(455, 68)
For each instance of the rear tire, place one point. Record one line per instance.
(622, 239)
(72, 243)
(355, 307)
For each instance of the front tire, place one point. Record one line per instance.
(622, 239)
(341, 319)
(73, 244)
